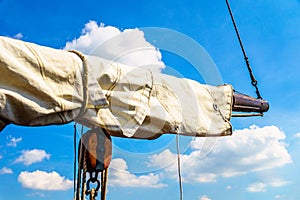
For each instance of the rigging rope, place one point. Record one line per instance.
(77, 190)
(84, 83)
(84, 169)
(253, 80)
(75, 154)
(179, 164)
(104, 176)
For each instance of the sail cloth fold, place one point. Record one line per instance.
(43, 86)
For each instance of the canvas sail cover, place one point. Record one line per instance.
(43, 86)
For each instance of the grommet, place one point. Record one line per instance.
(215, 106)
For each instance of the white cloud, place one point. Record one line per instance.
(262, 186)
(41, 180)
(92, 36)
(18, 36)
(164, 159)
(278, 183)
(29, 157)
(228, 187)
(249, 150)
(127, 47)
(297, 135)
(257, 187)
(13, 141)
(36, 194)
(120, 176)
(6, 170)
(204, 197)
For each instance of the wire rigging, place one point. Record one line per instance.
(253, 80)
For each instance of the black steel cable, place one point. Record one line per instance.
(253, 80)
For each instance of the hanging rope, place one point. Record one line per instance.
(75, 160)
(104, 176)
(80, 159)
(179, 164)
(253, 80)
(84, 169)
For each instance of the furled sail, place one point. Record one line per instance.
(43, 86)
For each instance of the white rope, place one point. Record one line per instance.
(84, 83)
(179, 164)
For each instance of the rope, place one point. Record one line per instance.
(83, 189)
(104, 176)
(79, 172)
(74, 166)
(179, 165)
(253, 80)
(84, 83)
(81, 166)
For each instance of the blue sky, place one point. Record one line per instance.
(260, 160)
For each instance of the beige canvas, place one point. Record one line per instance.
(42, 86)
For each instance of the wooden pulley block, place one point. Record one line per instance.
(96, 147)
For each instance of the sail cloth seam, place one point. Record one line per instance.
(84, 83)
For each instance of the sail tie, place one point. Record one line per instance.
(84, 83)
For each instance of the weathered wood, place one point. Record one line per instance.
(245, 103)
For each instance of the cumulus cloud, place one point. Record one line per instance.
(262, 186)
(92, 35)
(36, 194)
(13, 141)
(6, 170)
(257, 187)
(204, 197)
(120, 176)
(228, 187)
(249, 150)
(29, 157)
(164, 159)
(278, 183)
(41, 180)
(18, 36)
(127, 47)
(297, 135)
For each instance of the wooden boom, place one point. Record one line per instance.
(245, 103)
